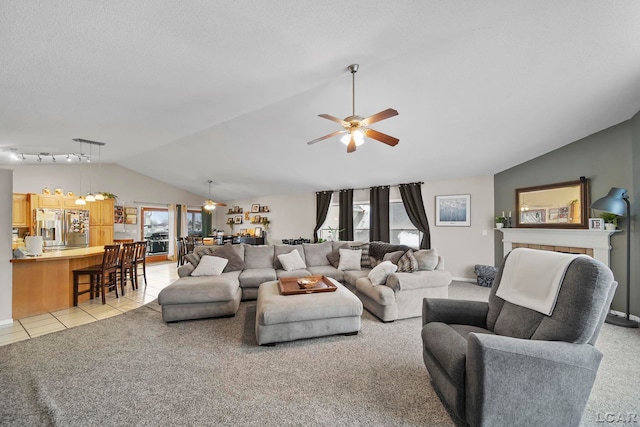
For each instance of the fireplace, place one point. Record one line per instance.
(594, 243)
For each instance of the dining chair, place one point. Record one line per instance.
(126, 267)
(140, 260)
(181, 250)
(101, 276)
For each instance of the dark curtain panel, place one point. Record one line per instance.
(413, 204)
(379, 219)
(345, 223)
(178, 220)
(323, 201)
(207, 221)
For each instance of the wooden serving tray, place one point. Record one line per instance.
(289, 285)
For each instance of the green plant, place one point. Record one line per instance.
(610, 218)
(109, 195)
(333, 233)
(501, 220)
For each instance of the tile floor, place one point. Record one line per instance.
(159, 275)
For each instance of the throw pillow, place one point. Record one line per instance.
(407, 262)
(334, 256)
(350, 259)
(210, 266)
(427, 259)
(378, 275)
(394, 257)
(364, 261)
(292, 261)
(193, 258)
(227, 252)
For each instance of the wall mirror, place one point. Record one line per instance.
(560, 205)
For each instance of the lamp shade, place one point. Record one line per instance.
(613, 202)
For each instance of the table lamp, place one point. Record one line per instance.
(617, 202)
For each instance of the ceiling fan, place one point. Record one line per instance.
(356, 127)
(210, 204)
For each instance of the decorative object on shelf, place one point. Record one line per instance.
(617, 203)
(500, 221)
(210, 204)
(265, 223)
(355, 127)
(596, 224)
(610, 220)
(236, 209)
(70, 194)
(130, 215)
(109, 195)
(246, 216)
(230, 223)
(237, 219)
(58, 191)
(257, 232)
(46, 191)
(264, 208)
(454, 211)
(255, 208)
(256, 219)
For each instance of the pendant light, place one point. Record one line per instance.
(99, 195)
(80, 200)
(90, 197)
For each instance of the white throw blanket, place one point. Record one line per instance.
(531, 278)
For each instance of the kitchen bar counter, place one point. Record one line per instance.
(44, 283)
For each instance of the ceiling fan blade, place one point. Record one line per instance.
(338, 132)
(389, 112)
(332, 118)
(382, 137)
(352, 145)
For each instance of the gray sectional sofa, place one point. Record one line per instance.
(249, 266)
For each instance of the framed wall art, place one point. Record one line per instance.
(453, 211)
(596, 224)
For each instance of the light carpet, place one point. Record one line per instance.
(133, 369)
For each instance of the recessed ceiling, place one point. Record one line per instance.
(187, 91)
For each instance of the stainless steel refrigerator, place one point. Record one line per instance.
(62, 228)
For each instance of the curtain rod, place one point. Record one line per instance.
(373, 186)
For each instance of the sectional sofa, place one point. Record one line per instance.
(400, 296)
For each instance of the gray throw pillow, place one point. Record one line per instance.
(407, 262)
(427, 259)
(394, 257)
(193, 258)
(364, 260)
(227, 252)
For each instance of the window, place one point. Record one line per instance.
(155, 229)
(401, 230)
(194, 223)
(361, 221)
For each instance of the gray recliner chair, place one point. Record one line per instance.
(501, 364)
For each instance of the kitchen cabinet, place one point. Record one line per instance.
(49, 201)
(101, 222)
(21, 211)
(69, 202)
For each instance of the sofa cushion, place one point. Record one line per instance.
(350, 259)
(378, 275)
(394, 257)
(292, 261)
(327, 270)
(293, 273)
(334, 255)
(418, 280)
(315, 254)
(427, 259)
(378, 249)
(258, 257)
(407, 262)
(380, 294)
(351, 276)
(252, 278)
(195, 290)
(210, 266)
(285, 249)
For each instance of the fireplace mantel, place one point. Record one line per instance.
(597, 240)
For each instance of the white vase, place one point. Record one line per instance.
(499, 225)
(609, 226)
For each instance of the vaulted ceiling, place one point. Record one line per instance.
(187, 91)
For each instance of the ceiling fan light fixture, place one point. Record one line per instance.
(209, 205)
(358, 136)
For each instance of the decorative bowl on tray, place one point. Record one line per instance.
(307, 283)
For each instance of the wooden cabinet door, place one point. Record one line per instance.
(107, 214)
(46, 201)
(69, 202)
(100, 235)
(20, 210)
(107, 234)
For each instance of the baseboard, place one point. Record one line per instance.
(621, 314)
(6, 322)
(463, 279)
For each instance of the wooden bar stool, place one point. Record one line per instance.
(101, 276)
(141, 259)
(126, 267)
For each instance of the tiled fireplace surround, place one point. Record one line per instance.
(594, 243)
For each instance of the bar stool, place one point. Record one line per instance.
(126, 266)
(101, 276)
(141, 259)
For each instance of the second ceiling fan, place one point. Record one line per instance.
(356, 127)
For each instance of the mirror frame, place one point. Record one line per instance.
(585, 204)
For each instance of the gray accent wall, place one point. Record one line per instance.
(609, 158)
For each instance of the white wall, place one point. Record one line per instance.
(463, 247)
(6, 282)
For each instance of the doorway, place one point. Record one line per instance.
(155, 230)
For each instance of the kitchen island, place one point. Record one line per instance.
(44, 283)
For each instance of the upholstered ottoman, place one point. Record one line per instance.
(199, 298)
(282, 318)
